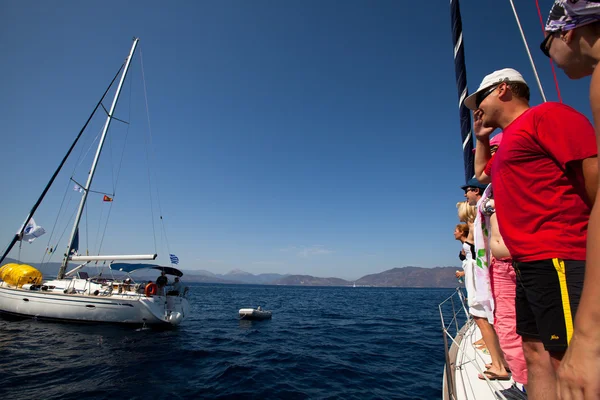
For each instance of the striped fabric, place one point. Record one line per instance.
(460, 71)
(567, 15)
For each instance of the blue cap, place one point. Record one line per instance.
(473, 182)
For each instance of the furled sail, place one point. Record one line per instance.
(460, 71)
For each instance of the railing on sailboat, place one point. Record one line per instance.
(460, 355)
(451, 328)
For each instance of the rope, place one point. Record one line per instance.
(537, 4)
(115, 179)
(61, 209)
(148, 147)
(537, 78)
(150, 144)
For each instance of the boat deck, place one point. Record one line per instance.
(464, 362)
(469, 363)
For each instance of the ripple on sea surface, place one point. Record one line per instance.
(321, 343)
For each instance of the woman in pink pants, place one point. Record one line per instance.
(503, 282)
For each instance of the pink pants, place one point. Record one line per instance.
(503, 282)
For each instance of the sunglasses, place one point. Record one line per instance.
(469, 189)
(545, 45)
(482, 95)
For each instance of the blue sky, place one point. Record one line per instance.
(304, 137)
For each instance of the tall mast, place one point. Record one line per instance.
(63, 267)
(460, 71)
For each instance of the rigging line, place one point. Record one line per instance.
(87, 235)
(100, 192)
(112, 117)
(120, 165)
(537, 78)
(98, 231)
(62, 234)
(83, 156)
(62, 163)
(105, 227)
(537, 4)
(115, 180)
(60, 211)
(149, 149)
(110, 147)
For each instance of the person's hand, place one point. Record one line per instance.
(459, 274)
(478, 129)
(579, 370)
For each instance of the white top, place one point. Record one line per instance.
(467, 249)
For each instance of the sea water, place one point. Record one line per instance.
(322, 343)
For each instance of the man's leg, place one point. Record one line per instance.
(541, 375)
(551, 289)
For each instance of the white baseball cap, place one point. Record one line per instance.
(495, 78)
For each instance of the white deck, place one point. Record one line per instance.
(469, 363)
(464, 362)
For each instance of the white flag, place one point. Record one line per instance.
(78, 188)
(32, 231)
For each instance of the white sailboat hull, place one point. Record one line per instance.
(128, 308)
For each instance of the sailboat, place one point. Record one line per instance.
(74, 296)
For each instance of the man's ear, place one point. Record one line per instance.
(567, 36)
(504, 91)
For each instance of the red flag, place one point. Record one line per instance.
(106, 198)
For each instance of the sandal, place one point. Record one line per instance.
(493, 376)
(488, 366)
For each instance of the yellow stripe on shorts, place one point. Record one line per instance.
(559, 266)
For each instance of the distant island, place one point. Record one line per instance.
(409, 277)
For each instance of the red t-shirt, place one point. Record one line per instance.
(488, 166)
(539, 196)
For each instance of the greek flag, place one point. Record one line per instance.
(174, 259)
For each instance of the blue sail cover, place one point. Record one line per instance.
(460, 71)
(129, 267)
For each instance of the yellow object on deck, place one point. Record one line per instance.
(20, 274)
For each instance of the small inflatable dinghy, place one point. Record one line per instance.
(254, 314)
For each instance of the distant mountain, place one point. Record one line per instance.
(441, 277)
(191, 277)
(48, 269)
(307, 280)
(240, 276)
(199, 272)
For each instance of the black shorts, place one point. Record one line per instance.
(548, 293)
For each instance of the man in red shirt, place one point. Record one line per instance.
(573, 42)
(544, 177)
